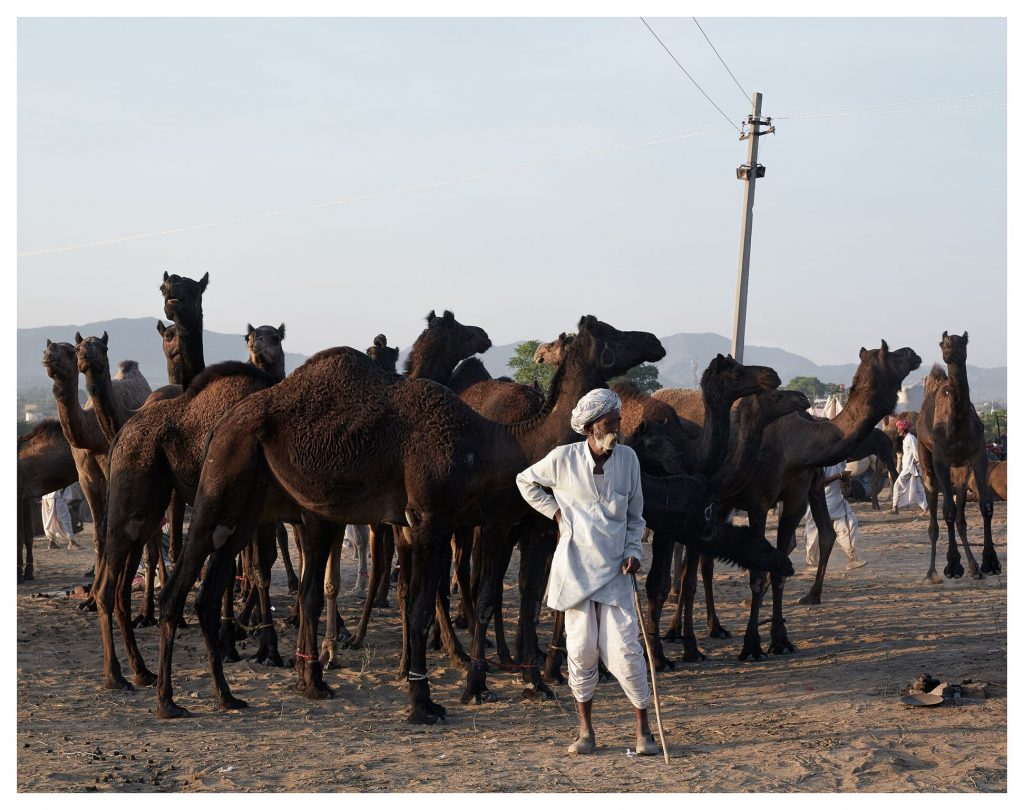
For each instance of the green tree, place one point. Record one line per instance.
(645, 376)
(812, 387)
(525, 371)
(988, 419)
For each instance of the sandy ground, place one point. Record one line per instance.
(827, 718)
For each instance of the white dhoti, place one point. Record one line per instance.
(908, 490)
(846, 535)
(359, 538)
(595, 630)
(57, 519)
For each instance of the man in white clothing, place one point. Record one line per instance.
(908, 488)
(844, 521)
(597, 502)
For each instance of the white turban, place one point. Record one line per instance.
(593, 406)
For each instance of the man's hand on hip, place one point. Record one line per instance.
(630, 565)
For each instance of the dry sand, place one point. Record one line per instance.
(827, 718)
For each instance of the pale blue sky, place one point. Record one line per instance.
(867, 226)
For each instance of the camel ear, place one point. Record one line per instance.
(863, 352)
(78, 337)
(203, 282)
(166, 276)
(885, 346)
(449, 315)
(49, 343)
(965, 337)
(160, 327)
(280, 331)
(945, 334)
(104, 339)
(431, 317)
(248, 330)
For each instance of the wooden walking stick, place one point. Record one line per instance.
(650, 659)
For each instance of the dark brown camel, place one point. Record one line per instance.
(434, 355)
(160, 449)
(964, 476)
(794, 448)
(172, 351)
(950, 434)
(750, 416)
(341, 441)
(704, 447)
(45, 464)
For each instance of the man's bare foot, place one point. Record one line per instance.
(583, 744)
(645, 745)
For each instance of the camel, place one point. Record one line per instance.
(114, 401)
(342, 441)
(794, 448)
(434, 356)
(878, 450)
(183, 304)
(172, 351)
(723, 382)
(45, 464)
(750, 415)
(964, 476)
(159, 449)
(950, 434)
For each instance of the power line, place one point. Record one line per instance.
(688, 76)
(805, 116)
(885, 107)
(746, 95)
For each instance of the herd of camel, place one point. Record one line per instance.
(427, 459)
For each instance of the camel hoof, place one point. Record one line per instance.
(144, 678)
(143, 620)
(752, 649)
(533, 694)
(693, 653)
(672, 635)
(428, 715)
(990, 564)
(483, 696)
(171, 711)
(555, 677)
(28, 576)
(230, 655)
(783, 647)
(293, 585)
(933, 578)
(117, 682)
(268, 660)
(664, 664)
(810, 599)
(717, 631)
(461, 623)
(231, 702)
(953, 570)
(382, 603)
(89, 605)
(317, 691)
(292, 621)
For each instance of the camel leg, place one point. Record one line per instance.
(105, 590)
(388, 541)
(989, 560)
(960, 495)
(532, 558)
(826, 536)
(932, 497)
(27, 573)
(175, 527)
(332, 583)
(691, 652)
(264, 554)
(954, 569)
(378, 573)
(657, 583)
(359, 587)
(147, 614)
(282, 544)
(556, 651)
(463, 549)
(227, 629)
(446, 632)
(293, 617)
(123, 613)
(95, 491)
(319, 538)
(707, 573)
(496, 550)
(793, 511)
(404, 552)
(678, 563)
(756, 518)
(429, 536)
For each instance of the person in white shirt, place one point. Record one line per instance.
(598, 504)
(844, 521)
(908, 488)
(57, 519)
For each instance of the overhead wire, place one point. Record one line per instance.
(746, 95)
(688, 76)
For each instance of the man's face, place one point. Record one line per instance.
(605, 431)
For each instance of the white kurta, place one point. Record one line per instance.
(844, 520)
(909, 488)
(602, 522)
(57, 518)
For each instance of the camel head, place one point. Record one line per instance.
(743, 546)
(449, 338)
(92, 354)
(383, 355)
(653, 447)
(553, 353)
(770, 405)
(882, 372)
(264, 343)
(954, 348)
(60, 361)
(169, 339)
(183, 298)
(611, 352)
(730, 380)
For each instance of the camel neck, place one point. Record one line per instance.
(832, 440)
(426, 363)
(174, 371)
(73, 419)
(108, 413)
(957, 372)
(275, 369)
(738, 466)
(714, 437)
(190, 350)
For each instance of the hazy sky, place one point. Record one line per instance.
(871, 222)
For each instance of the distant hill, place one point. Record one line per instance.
(137, 339)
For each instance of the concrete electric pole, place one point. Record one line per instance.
(749, 172)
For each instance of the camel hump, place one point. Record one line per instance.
(229, 368)
(627, 389)
(469, 372)
(128, 368)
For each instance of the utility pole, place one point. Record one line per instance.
(749, 172)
